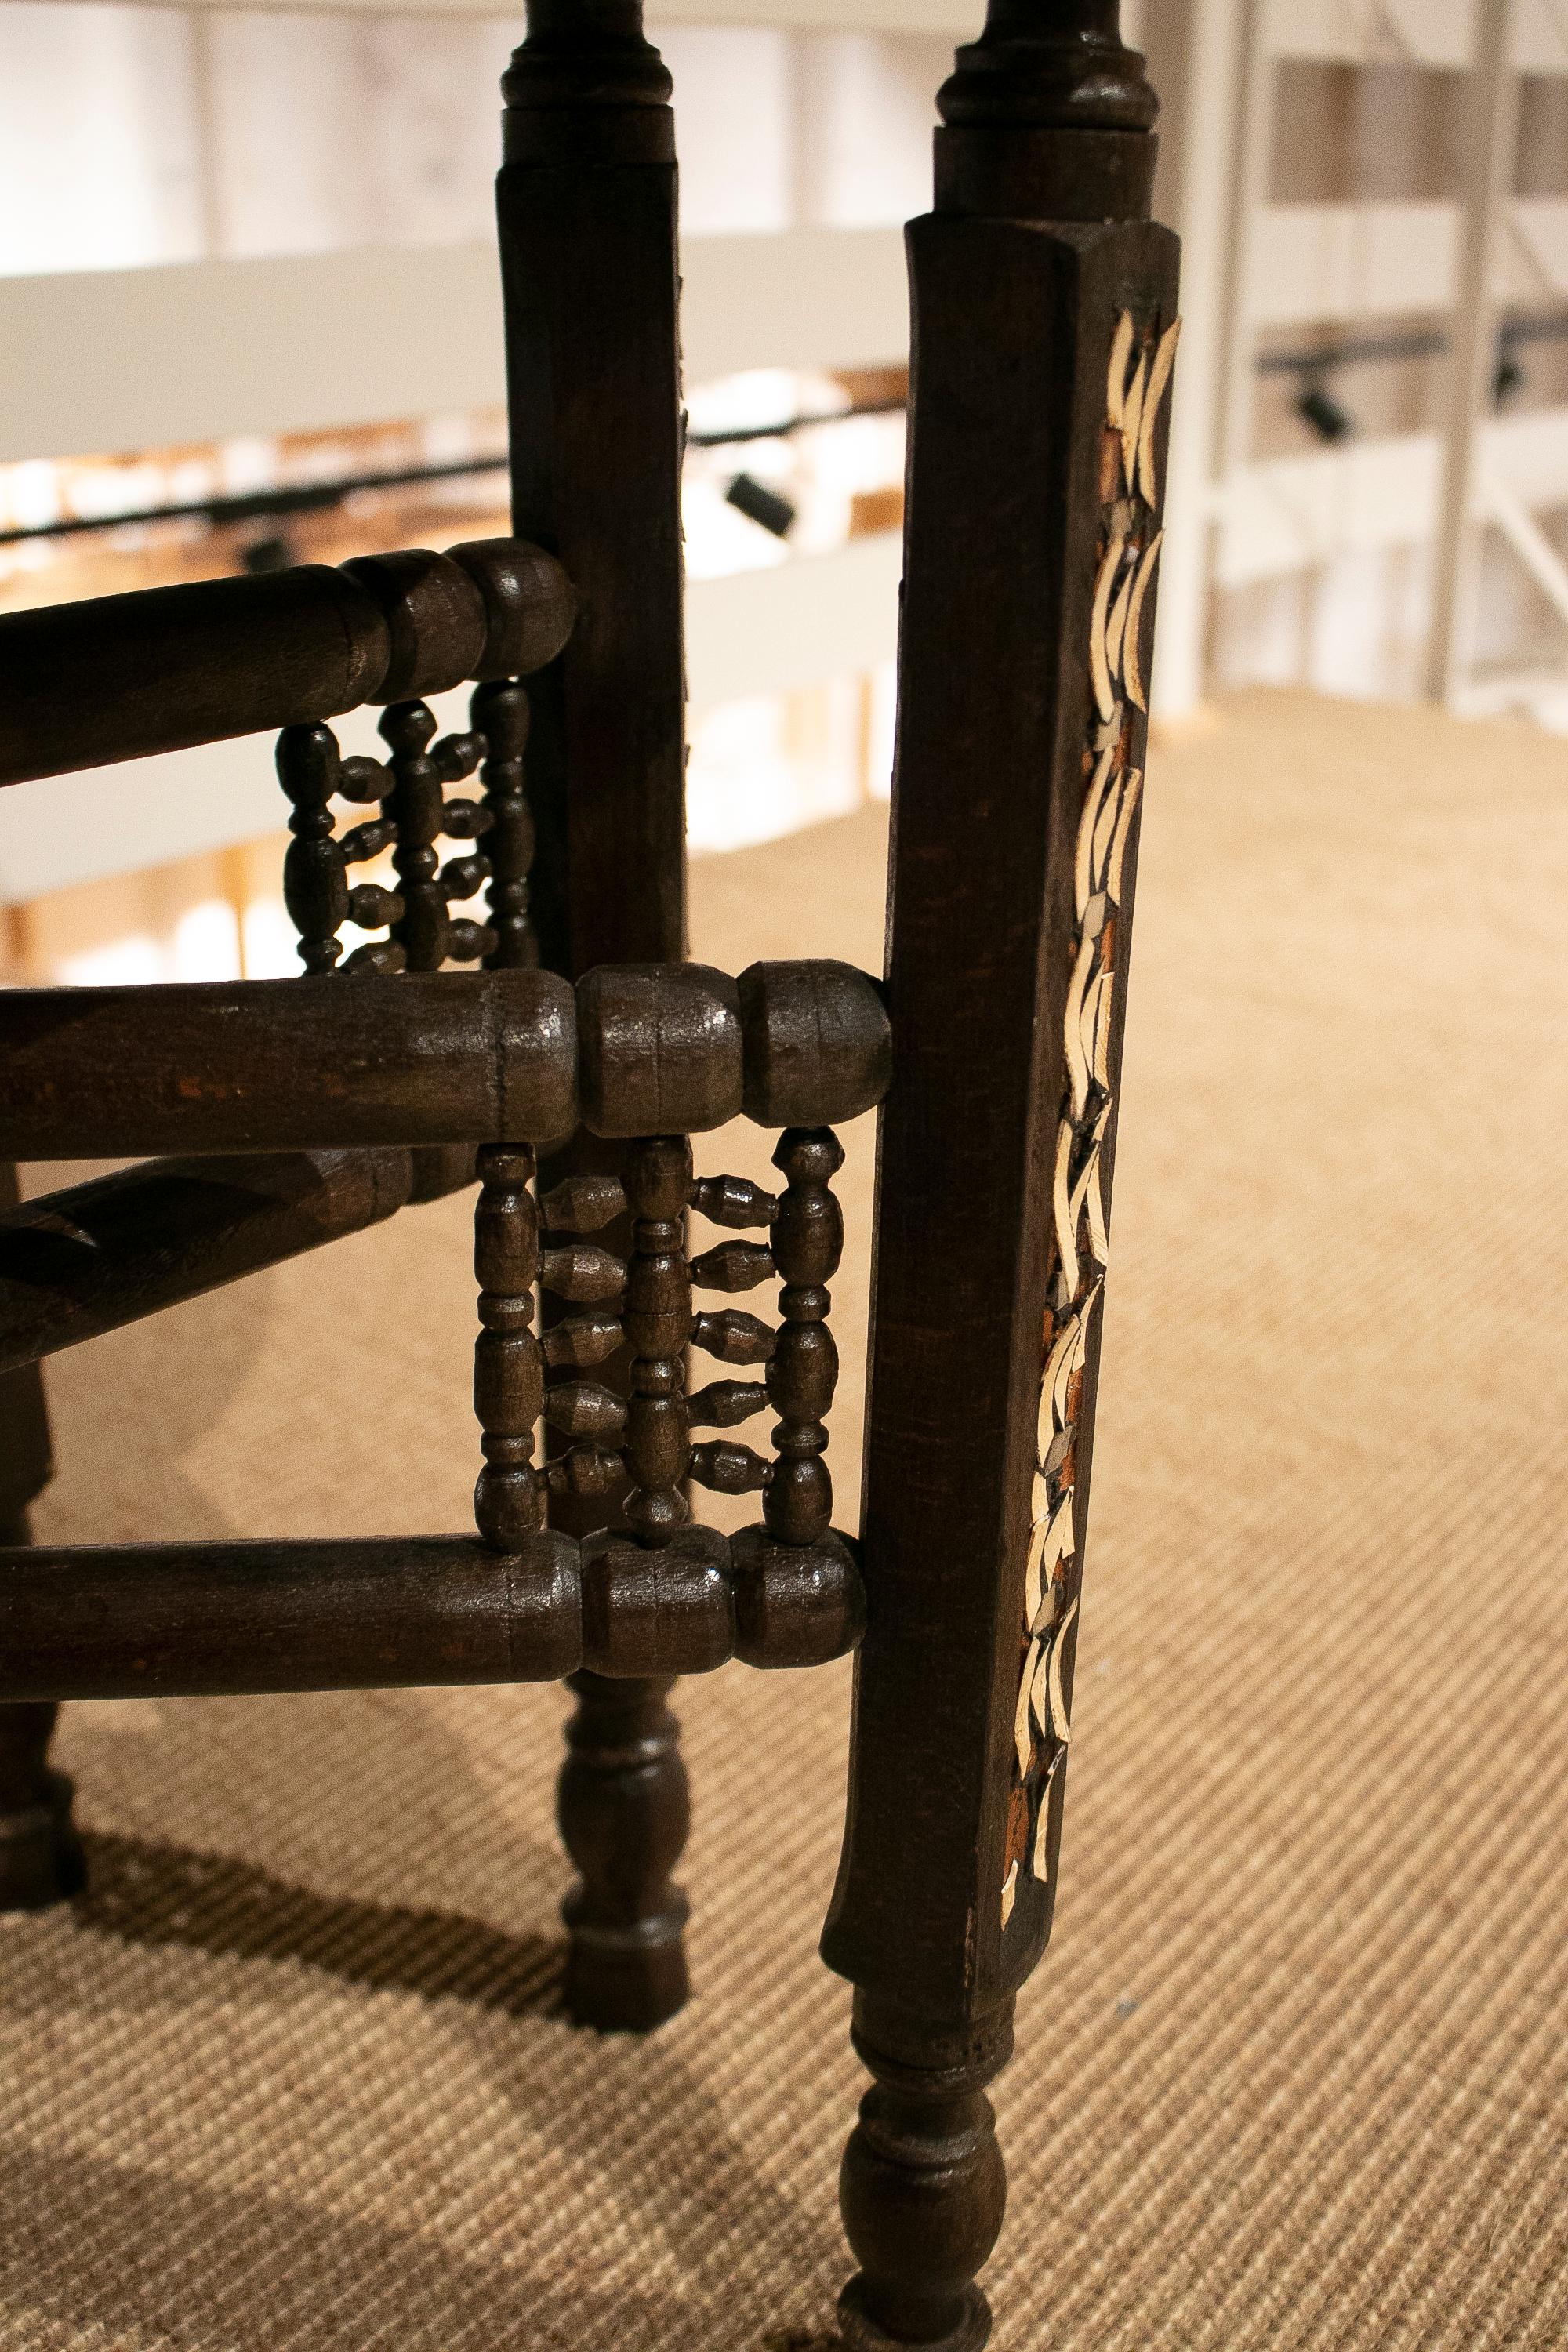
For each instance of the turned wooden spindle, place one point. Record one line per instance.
(499, 714)
(721, 1464)
(802, 1371)
(659, 1329)
(734, 1337)
(509, 1365)
(1044, 328)
(415, 806)
(1059, 65)
(315, 886)
(624, 1799)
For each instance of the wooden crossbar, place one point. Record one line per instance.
(342, 1062)
(198, 1620)
(117, 678)
(87, 1260)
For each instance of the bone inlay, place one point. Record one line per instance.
(1138, 385)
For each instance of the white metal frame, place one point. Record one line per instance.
(1468, 260)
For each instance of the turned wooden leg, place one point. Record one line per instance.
(624, 1811)
(41, 1854)
(586, 197)
(923, 2189)
(1045, 337)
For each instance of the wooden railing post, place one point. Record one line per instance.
(587, 213)
(1044, 334)
(40, 1857)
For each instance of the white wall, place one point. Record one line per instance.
(137, 135)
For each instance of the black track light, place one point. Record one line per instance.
(759, 504)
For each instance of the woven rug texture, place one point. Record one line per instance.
(292, 2077)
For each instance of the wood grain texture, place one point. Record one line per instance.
(41, 1858)
(586, 209)
(88, 1259)
(192, 1620)
(1037, 250)
(118, 677)
(661, 1049)
(276, 1065)
(1004, 525)
(509, 1367)
(41, 1854)
(446, 1058)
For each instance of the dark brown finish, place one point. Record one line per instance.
(818, 1043)
(658, 1325)
(624, 1800)
(583, 1274)
(508, 1367)
(924, 2191)
(803, 1370)
(87, 1260)
(733, 1265)
(315, 876)
(586, 198)
(734, 1337)
(586, 205)
(660, 1049)
(500, 715)
(583, 1205)
(196, 1620)
(41, 1859)
(1045, 332)
(729, 1469)
(441, 1169)
(531, 607)
(1047, 118)
(658, 1607)
(582, 1342)
(625, 1809)
(415, 806)
(40, 1856)
(733, 1201)
(26, 1457)
(193, 1620)
(118, 677)
(1021, 278)
(795, 1605)
(275, 1065)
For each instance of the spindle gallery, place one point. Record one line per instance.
(523, 1018)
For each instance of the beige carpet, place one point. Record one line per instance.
(1295, 2073)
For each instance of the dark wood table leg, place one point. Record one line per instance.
(586, 202)
(40, 1853)
(625, 1811)
(1045, 330)
(40, 1856)
(923, 2189)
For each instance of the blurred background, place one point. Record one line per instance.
(250, 300)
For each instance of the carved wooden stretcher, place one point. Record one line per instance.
(296, 1111)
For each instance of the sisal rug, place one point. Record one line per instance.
(292, 2077)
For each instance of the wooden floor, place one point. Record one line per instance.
(1295, 2073)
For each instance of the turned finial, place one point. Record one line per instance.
(586, 53)
(1050, 65)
